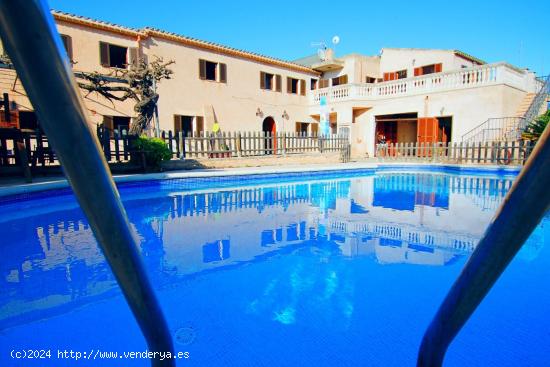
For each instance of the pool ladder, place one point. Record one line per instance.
(46, 74)
(30, 38)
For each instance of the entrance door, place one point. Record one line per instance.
(270, 144)
(427, 133)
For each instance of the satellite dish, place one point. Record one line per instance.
(335, 40)
(322, 54)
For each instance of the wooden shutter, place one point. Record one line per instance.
(132, 56)
(386, 77)
(278, 83)
(262, 80)
(68, 43)
(344, 79)
(108, 122)
(417, 71)
(302, 87)
(202, 69)
(438, 68)
(223, 73)
(288, 84)
(427, 131)
(177, 123)
(314, 84)
(200, 124)
(104, 54)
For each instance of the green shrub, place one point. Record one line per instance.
(156, 151)
(534, 130)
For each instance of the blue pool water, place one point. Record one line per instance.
(331, 269)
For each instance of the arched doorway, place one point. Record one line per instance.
(269, 129)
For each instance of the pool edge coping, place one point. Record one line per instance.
(227, 172)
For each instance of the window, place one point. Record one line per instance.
(323, 83)
(188, 124)
(68, 43)
(292, 85)
(28, 120)
(370, 80)
(270, 81)
(113, 56)
(213, 71)
(313, 84)
(120, 124)
(342, 79)
(302, 127)
(428, 69)
(296, 86)
(394, 75)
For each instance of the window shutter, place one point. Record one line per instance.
(68, 43)
(202, 69)
(288, 84)
(108, 122)
(417, 71)
(177, 123)
(438, 68)
(223, 73)
(344, 79)
(313, 84)
(386, 76)
(104, 54)
(262, 80)
(302, 87)
(199, 126)
(132, 56)
(278, 83)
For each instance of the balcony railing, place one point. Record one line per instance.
(484, 75)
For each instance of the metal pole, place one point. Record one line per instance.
(522, 209)
(30, 37)
(156, 115)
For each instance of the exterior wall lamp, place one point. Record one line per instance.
(285, 115)
(259, 112)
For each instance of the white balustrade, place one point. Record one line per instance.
(483, 75)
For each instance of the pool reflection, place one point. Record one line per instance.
(50, 258)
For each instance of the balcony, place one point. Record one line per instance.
(479, 76)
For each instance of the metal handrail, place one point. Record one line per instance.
(522, 209)
(522, 121)
(29, 34)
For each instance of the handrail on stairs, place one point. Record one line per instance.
(29, 34)
(530, 114)
(522, 209)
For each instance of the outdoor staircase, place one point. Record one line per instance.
(510, 128)
(525, 104)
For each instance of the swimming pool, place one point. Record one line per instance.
(313, 269)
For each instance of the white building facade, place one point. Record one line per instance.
(406, 95)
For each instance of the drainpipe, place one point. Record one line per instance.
(45, 71)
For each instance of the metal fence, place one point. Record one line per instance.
(479, 153)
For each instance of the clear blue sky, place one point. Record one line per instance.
(512, 31)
